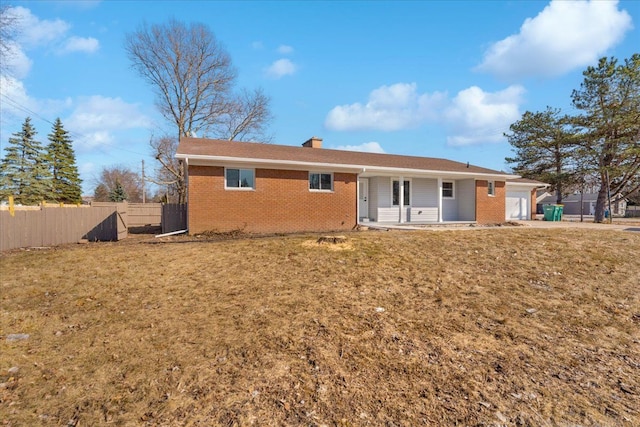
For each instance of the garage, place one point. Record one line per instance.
(518, 205)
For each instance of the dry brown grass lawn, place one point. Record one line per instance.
(519, 327)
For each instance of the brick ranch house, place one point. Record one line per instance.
(267, 188)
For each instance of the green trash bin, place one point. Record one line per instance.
(558, 212)
(549, 211)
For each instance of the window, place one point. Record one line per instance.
(491, 188)
(320, 181)
(396, 193)
(239, 178)
(448, 190)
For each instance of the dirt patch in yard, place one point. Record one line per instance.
(509, 326)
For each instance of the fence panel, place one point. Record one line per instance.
(632, 212)
(144, 214)
(54, 226)
(174, 217)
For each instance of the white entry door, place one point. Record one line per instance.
(363, 198)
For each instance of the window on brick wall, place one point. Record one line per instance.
(491, 188)
(239, 179)
(448, 190)
(320, 181)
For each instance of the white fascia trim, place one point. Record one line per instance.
(203, 160)
(526, 184)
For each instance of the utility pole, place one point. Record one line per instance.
(144, 186)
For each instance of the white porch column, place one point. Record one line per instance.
(439, 199)
(358, 199)
(401, 198)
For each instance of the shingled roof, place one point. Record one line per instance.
(214, 151)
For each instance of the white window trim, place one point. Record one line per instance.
(320, 190)
(453, 190)
(491, 185)
(240, 188)
(410, 192)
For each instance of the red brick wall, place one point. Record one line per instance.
(490, 209)
(281, 202)
(534, 200)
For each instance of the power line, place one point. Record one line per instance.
(77, 135)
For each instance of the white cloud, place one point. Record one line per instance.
(257, 45)
(281, 68)
(476, 116)
(285, 50)
(95, 119)
(366, 147)
(37, 32)
(16, 103)
(473, 116)
(15, 60)
(80, 44)
(564, 36)
(389, 108)
(99, 112)
(91, 141)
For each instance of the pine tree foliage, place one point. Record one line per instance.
(24, 169)
(603, 140)
(609, 99)
(544, 146)
(118, 194)
(66, 184)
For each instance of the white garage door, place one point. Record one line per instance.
(517, 205)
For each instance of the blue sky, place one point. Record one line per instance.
(425, 78)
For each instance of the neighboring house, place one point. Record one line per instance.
(571, 204)
(275, 188)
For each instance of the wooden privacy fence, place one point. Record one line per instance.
(174, 217)
(138, 214)
(50, 226)
(632, 212)
(144, 214)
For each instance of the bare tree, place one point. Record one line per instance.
(193, 78)
(111, 176)
(170, 174)
(9, 24)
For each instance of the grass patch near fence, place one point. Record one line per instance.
(526, 327)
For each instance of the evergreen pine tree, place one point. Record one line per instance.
(24, 168)
(66, 184)
(118, 194)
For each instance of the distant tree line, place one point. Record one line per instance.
(32, 173)
(117, 184)
(600, 144)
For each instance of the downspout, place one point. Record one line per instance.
(186, 183)
(358, 196)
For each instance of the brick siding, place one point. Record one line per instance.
(281, 202)
(490, 209)
(534, 201)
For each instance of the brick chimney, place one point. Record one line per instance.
(313, 142)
